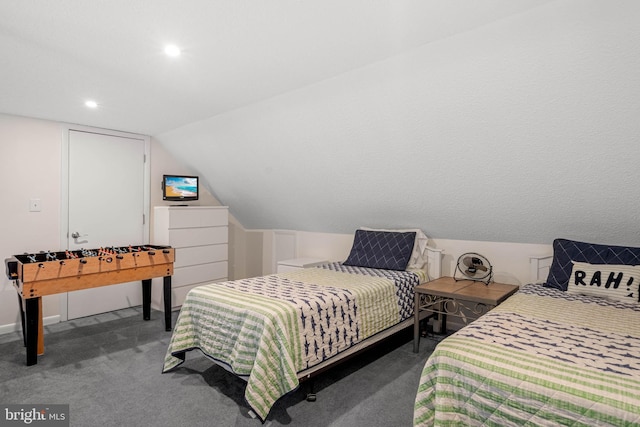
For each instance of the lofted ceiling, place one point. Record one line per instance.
(58, 54)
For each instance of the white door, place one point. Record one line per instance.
(106, 207)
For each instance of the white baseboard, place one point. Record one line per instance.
(17, 327)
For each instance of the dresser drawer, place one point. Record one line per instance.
(195, 255)
(186, 237)
(194, 217)
(203, 273)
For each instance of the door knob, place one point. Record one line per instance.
(75, 235)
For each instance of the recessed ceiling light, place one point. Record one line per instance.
(91, 104)
(172, 50)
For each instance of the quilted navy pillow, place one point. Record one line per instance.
(381, 249)
(566, 251)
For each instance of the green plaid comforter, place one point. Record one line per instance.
(543, 357)
(268, 328)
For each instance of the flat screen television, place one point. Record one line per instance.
(180, 188)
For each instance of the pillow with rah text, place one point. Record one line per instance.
(610, 281)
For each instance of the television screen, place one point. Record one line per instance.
(179, 188)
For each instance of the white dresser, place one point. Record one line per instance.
(199, 235)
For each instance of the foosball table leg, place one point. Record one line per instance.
(146, 299)
(31, 328)
(167, 302)
(22, 314)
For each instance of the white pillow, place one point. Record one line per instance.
(610, 281)
(418, 258)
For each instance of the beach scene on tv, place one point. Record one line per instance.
(176, 186)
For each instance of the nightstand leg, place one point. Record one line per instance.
(416, 322)
(443, 322)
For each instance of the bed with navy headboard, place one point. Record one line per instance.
(565, 351)
(275, 330)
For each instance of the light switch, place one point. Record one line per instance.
(35, 205)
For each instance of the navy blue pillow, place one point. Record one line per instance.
(381, 249)
(565, 251)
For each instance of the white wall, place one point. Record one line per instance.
(522, 131)
(510, 261)
(30, 151)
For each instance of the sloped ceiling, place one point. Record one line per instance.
(498, 120)
(523, 129)
(58, 54)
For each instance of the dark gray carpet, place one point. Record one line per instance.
(108, 369)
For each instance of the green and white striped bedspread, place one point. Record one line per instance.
(268, 328)
(541, 358)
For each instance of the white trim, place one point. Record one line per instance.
(17, 327)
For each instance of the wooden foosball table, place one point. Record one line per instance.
(48, 273)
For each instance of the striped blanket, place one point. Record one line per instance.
(541, 358)
(269, 328)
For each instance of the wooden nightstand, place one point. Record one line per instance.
(463, 298)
